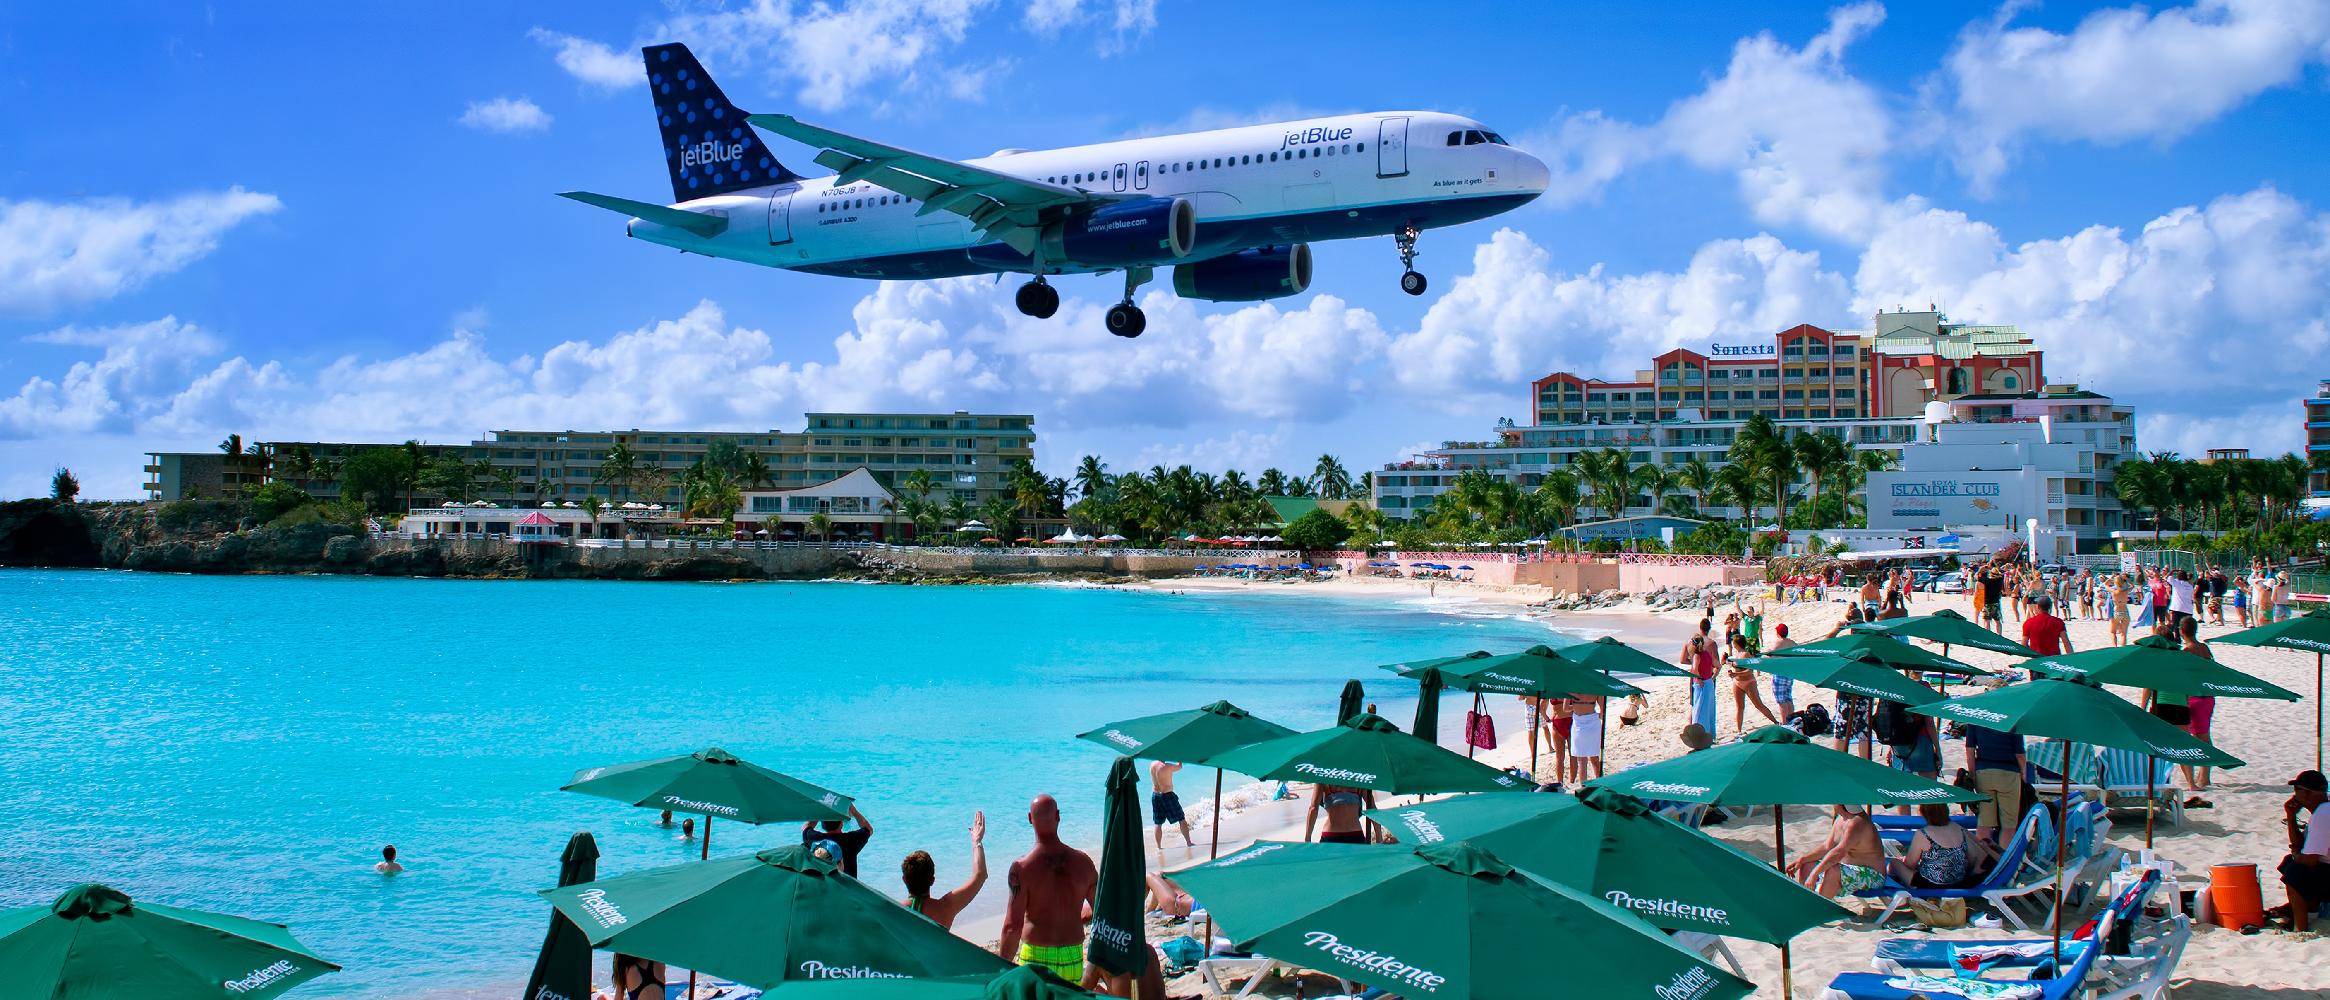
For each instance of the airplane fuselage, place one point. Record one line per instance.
(1336, 177)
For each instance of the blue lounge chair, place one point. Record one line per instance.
(1896, 956)
(2011, 878)
(2046, 759)
(2122, 776)
(1878, 986)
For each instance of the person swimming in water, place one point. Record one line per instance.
(388, 865)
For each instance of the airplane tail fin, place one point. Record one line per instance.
(706, 143)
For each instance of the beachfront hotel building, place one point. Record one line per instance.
(2003, 460)
(180, 475)
(967, 455)
(1870, 388)
(2318, 438)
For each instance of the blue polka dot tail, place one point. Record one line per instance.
(705, 162)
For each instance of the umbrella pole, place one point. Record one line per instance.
(2317, 711)
(704, 855)
(1214, 852)
(2151, 774)
(1536, 714)
(1780, 861)
(2062, 840)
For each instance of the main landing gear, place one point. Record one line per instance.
(1126, 319)
(1411, 281)
(1038, 299)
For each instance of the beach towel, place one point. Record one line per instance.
(1972, 989)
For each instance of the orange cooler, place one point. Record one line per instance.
(2233, 890)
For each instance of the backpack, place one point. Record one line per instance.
(1893, 725)
(1814, 721)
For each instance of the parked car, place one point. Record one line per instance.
(1948, 583)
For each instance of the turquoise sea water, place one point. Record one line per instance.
(246, 744)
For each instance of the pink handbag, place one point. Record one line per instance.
(1480, 730)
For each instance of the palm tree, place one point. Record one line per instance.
(415, 457)
(919, 484)
(1820, 456)
(1272, 483)
(821, 526)
(594, 506)
(1654, 480)
(233, 445)
(1329, 479)
(1763, 447)
(618, 470)
(1560, 496)
(2140, 488)
(1092, 479)
(1736, 485)
(756, 472)
(506, 480)
(1698, 477)
(1610, 474)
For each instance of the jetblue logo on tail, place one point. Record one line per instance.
(707, 146)
(707, 153)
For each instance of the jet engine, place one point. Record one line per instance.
(1247, 275)
(1136, 233)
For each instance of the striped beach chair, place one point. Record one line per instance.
(2121, 776)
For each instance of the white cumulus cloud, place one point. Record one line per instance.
(55, 254)
(506, 114)
(594, 63)
(2121, 74)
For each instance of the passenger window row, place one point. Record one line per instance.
(1220, 162)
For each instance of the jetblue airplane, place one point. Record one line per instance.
(1231, 211)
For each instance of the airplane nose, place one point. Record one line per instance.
(1529, 173)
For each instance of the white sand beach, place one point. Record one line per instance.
(2245, 824)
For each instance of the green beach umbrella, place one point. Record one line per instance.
(1447, 920)
(1612, 846)
(2309, 632)
(1865, 675)
(1948, 628)
(2076, 712)
(95, 943)
(1776, 766)
(2160, 665)
(1429, 683)
(1187, 736)
(1895, 653)
(778, 916)
(1537, 672)
(1119, 942)
(1020, 982)
(712, 783)
(1353, 702)
(1365, 752)
(1610, 656)
(562, 970)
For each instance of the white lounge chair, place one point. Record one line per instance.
(2145, 976)
(1711, 948)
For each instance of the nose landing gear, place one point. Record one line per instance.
(1411, 281)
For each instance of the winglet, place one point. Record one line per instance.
(703, 224)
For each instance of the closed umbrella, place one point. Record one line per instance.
(1353, 701)
(1119, 940)
(562, 971)
(95, 942)
(2309, 632)
(781, 915)
(1365, 752)
(1776, 766)
(2076, 712)
(1613, 846)
(1446, 920)
(1427, 724)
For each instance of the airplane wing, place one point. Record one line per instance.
(1008, 208)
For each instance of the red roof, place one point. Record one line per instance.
(536, 517)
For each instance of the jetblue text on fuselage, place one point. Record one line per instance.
(1304, 137)
(711, 152)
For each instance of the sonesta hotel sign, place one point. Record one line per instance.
(1723, 350)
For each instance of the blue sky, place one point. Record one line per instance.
(281, 221)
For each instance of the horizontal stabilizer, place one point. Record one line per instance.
(699, 223)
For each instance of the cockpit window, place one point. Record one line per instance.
(1456, 138)
(1498, 139)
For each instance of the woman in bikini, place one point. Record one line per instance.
(1557, 731)
(1743, 684)
(2200, 711)
(638, 978)
(1342, 806)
